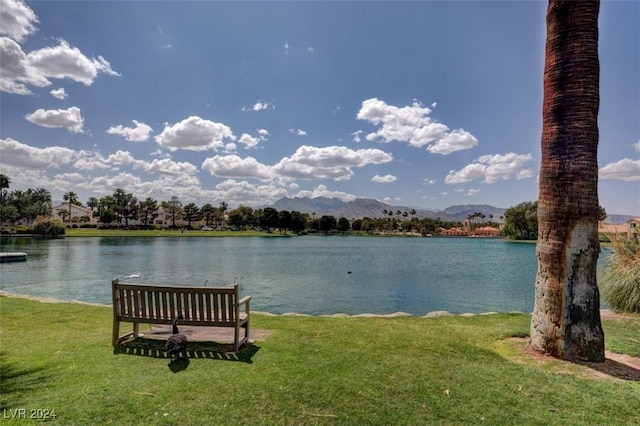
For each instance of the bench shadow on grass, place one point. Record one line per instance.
(154, 348)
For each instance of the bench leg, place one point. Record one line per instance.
(236, 340)
(114, 335)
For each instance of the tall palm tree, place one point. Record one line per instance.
(223, 209)
(566, 318)
(72, 198)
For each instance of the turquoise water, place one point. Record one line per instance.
(310, 274)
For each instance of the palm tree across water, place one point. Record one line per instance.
(72, 198)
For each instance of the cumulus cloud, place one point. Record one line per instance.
(37, 67)
(332, 162)
(232, 166)
(122, 157)
(413, 125)
(17, 154)
(625, 169)
(59, 93)
(16, 71)
(253, 141)
(384, 179)
(194, 134)
(323, 191)
(18, 20)
(167, 166)
(139, 133)
(64, 61)
(69, 119)
(242, 192)
(492, 168)
(298, 132)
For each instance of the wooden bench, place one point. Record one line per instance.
(200, 306)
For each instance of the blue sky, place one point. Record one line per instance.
(423, 104)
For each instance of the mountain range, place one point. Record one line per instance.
(366, 207)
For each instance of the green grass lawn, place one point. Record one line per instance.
(310, 370)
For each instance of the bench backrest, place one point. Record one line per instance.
(164, 303)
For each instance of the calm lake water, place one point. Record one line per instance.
(309, 274)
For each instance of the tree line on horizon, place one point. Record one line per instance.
(122, 207)
(519, 222)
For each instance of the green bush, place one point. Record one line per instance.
(620, 277)
(44, 225)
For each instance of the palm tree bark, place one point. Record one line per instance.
(566, 319)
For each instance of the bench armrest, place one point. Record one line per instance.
(245, 301)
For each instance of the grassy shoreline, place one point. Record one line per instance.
(310, 370)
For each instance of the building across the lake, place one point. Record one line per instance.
(77, 212)
(631, 226)
(468, 231)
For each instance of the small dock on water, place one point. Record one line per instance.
(13, 257)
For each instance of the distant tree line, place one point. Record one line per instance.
(121, 208)
(521, 221)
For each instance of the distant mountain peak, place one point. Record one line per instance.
(368, 207)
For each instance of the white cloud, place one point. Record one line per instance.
(323, 191)
(332, 162)
(258, 106)
(70, 118)
(253, 141)
(384, 179)
(64, 61)
(636, 146)
(413, 125)
(70, 177)
(467, 192)
(243, 192)
(16, 70)
(625, 169)
(429, 181)
(18, 19)
(195, 134)
(492, 168)
(37, 67)
(232, 166)
(166, 166)
(139, 133)
(59, 93)
(122, 157)
(230, 148)
(17, 154)
(298, 132)
(456, 140)
(249, 140)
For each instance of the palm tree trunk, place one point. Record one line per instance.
(566, 318)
